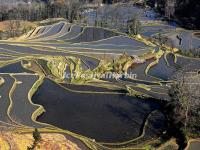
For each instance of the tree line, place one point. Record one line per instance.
(43, 9)
(40, 10)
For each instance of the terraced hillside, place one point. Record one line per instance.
(52, 79)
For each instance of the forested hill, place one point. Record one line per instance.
(186, 11)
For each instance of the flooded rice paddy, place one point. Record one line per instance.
(103, 117)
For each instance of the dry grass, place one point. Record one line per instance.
(50, 141)
(24, 24)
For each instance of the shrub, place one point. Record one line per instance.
(37, 138)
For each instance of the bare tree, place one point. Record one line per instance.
(11, 28)
(170, 8)
(185, 95)
(135, 25)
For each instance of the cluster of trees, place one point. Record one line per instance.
(17, 12)
(183, 111)
(40, 10)
(34, 10)
(15, 28)
(134, 25)
(111, 16)
(186, 11)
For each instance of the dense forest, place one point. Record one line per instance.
(39, 10)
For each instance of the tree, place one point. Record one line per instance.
(183, 110)
(170, 8)
(1, 34)
(11, 28)
(36, 135)
(73, 8)
(37, 138)
(182, 100)
(135, 25)
(186, 101)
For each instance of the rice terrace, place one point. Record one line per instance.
(96, 85)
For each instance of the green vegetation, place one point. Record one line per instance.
(57, 65)
(195, 53)
(122, 63)
(34, 88)
(157, 57)
(134, 93)
(144, 86)
(2, 81)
